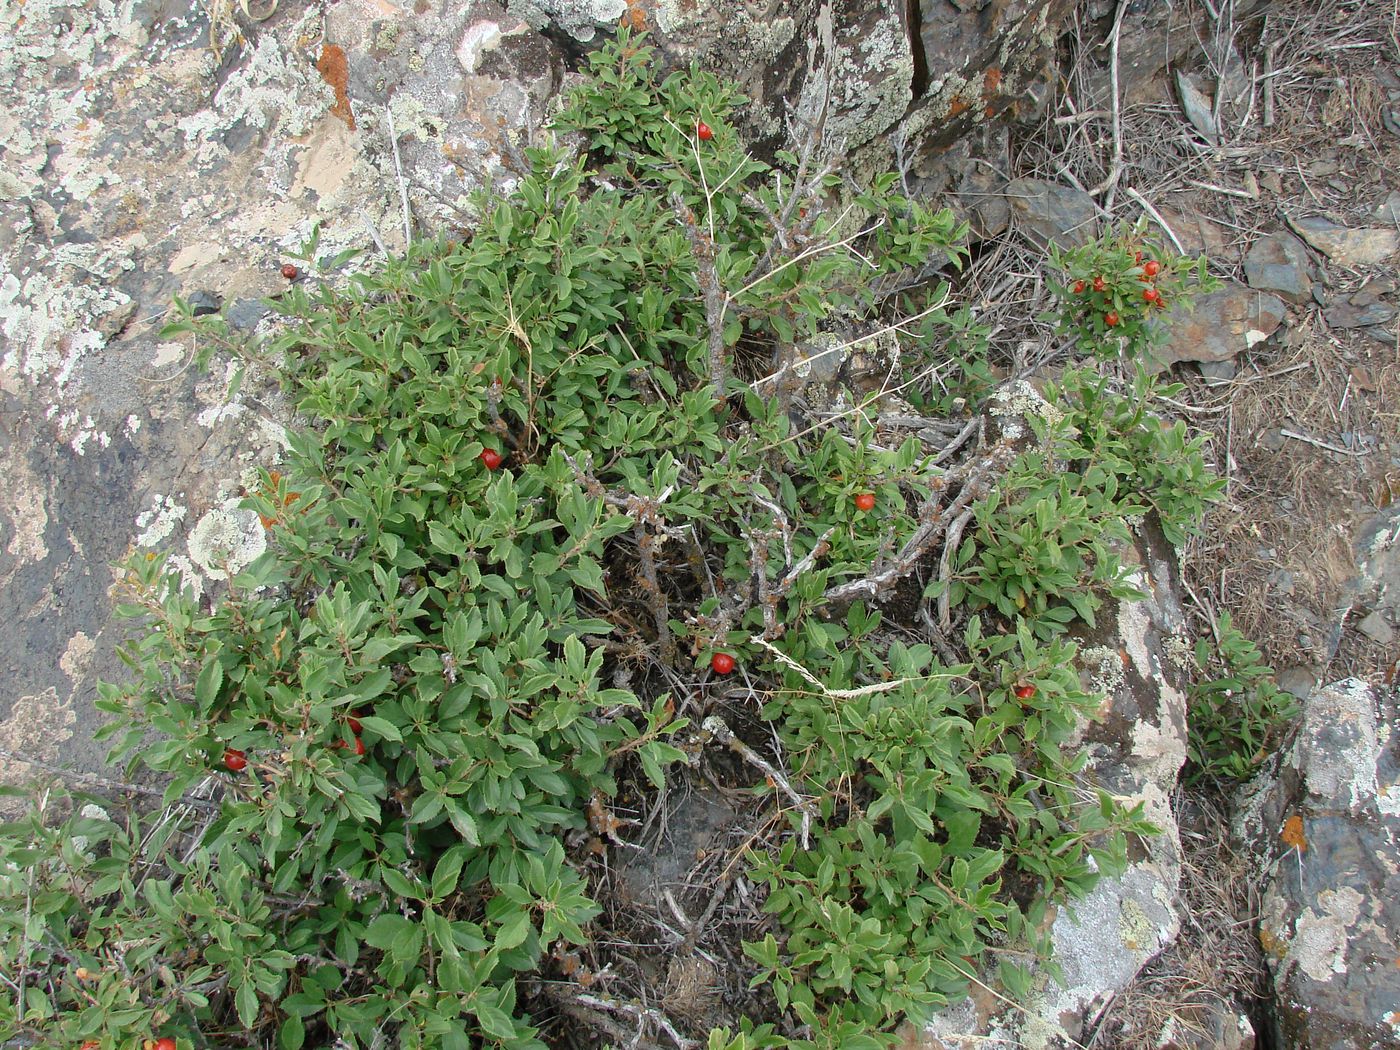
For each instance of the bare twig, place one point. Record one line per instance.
(120, 786)
(715, 300)
(950, 546)
(660, 608)
(716, 727)
(1116, 170)
(398, 171)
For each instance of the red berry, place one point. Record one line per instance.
(354, 724)
(1024, 692)
(1152, 267)
(359, 746)
(1151, 295)
(290, 272)
(1137, 257)
(165, 1044)
(1111, 319)
(722, 663)
(234, 760)
(1099, 284)
(865, 501)
(1079, 287)
(490, 458)
(703, 132)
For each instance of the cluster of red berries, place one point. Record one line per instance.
(235, 761)
(1150, 295)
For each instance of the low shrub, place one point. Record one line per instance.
(544, 476)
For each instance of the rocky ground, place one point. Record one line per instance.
(139, 162)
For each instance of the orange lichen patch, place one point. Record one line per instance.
(1292, 833)
(335, 71)
(958, 106)
(635, 16)
(1272, 944)
(991, 81)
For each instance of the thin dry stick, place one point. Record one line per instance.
(398, 171)
(714, 298)
(660, 608)
(1157, 217)
(1109, 183)
(950, 546)
(641, 1013)
(716, 727)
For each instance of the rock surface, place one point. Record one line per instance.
(1279, 263)
(1219, 325)
(139, 166)
(1328, 827)
(1365, 246)
(1136, 748)
(1050, 213)
(857, 69)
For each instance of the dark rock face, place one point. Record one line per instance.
(855, 68)
(1329, 826)
(1279, 264)
(1051, 213)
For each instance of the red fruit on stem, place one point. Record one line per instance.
(290, 272)
(722, 663)
(1024, 692)
(865, 501)
(491, 459)
(359, 746)
(703, 132)
(1099, 284)
(235, 760)
(165, 1044)
(1111, 319)
(354, 724)
(1151, 268)
(1151, 295)
(1079, 287)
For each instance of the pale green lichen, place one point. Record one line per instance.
(1105, 668)
(225, 541)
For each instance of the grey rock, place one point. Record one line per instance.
(1365, 246)
(1327, 824)
(1219, 325)
(1135, 751)
(245, 314)
(1388, 210)
(1279, 263)
(1300, 681)
(202, 303)
(1345, 315)
(857, 66)
(1373, 625)
(1051, 213)
(1217, 372)
(1376, 290)
(1197, 107)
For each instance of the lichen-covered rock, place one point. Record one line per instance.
(1327, 826)
(1136, 746)
(854, 70)
(138, 165)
